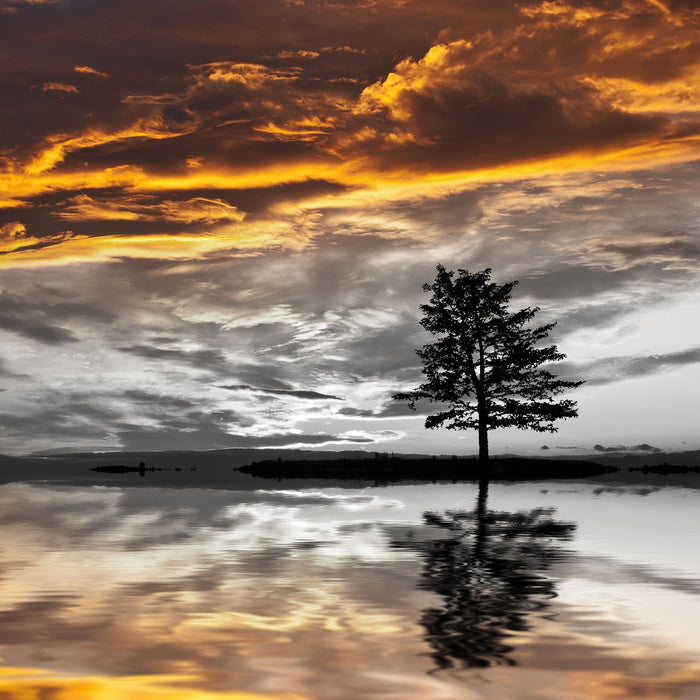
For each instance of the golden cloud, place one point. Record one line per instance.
(567, 79)
(56, 147)
(306, 129)
(17, 242)
(234, 239)
(298, 54)
(557, 91)
(139, 208)
(251, 75)
(60, 88)
(13, 231)
(90, 71)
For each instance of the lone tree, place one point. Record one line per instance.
(485, 366)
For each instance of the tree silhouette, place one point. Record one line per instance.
(486, 366)
(489, 574)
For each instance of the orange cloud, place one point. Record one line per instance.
(566, 79)
(236, 239)
(139, 208)
(16, 241)
(58, 146)
(562, 87)
(307, 129)
(251, 75)
(12, 231)
(90, 71)
(60, 88)
(298, 54)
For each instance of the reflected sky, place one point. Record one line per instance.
(196, 594)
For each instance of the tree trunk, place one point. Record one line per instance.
(483, 443)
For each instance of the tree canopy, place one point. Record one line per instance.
(486, 366)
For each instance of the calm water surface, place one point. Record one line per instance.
(564, 591)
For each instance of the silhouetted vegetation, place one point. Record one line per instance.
(383, 468)
(118, 469)
(485, 367)
(123, 469)
(490, 573)
(665, 469)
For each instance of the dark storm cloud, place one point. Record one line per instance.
(608, 370)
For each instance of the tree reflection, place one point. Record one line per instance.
(490, 574)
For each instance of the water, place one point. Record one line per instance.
(112, 593)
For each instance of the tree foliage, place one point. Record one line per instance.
(486, 366)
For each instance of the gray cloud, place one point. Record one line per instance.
(670, 246)
(37, 319)
(139, 438)
(161, 400)
(607, 370)
(584, 281)
(644, 447)
(201, 359)
(32, 321)
(296, 393)
(391, 409)
(70, 424)
(5, 372)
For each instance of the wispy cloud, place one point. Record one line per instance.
(295, 393)
(607, 370)
(60, 88)
(38, 319)
(88, 70)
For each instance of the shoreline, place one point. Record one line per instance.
(248, 469)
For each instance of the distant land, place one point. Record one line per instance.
(388, 468)
(221, 468)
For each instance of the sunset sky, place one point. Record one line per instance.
(216, 216)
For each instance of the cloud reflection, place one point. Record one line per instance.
(276, 594)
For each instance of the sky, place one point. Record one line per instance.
(216, 218)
